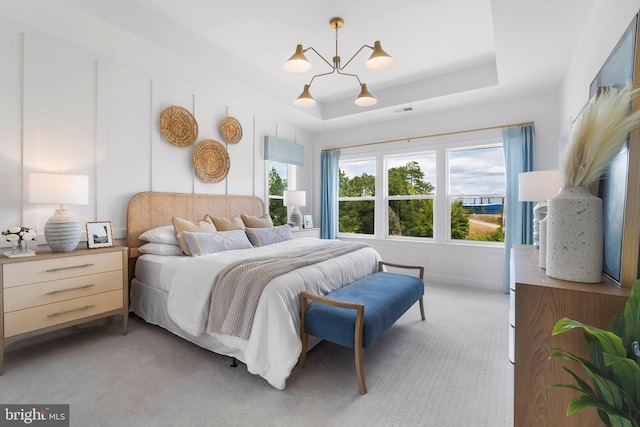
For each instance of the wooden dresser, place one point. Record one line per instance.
(540, 301)
(51, 291)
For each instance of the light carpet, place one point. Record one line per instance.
(450, 370)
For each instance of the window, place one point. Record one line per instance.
(278, 181)
(411, 189)
(477, 193)
(356, 196)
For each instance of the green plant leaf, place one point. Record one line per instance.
(632, 315)
(611, 343)
(627, 374)
(606, 390)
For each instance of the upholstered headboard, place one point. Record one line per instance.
(150, 209)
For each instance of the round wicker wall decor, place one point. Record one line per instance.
(178, 125)
(211, 161)
(231, 130)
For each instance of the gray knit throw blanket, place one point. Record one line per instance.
(237, 287)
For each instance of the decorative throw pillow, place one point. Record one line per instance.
(210, 243)
(227, 224)
(182, 225)
(165, 234)
(263, 221)
(161, 249)
(268, 236)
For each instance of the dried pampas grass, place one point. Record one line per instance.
(599, 136)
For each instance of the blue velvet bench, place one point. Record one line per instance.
(355, 315)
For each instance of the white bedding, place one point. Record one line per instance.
(274, 346)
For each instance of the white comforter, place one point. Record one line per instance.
(274, 346)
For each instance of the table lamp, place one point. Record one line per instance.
(295, 199)
(538, 186)
(62, 231)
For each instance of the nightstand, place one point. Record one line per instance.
(51, 291)
(306, 232)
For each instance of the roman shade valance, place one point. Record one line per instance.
(279, 150)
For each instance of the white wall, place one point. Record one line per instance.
(455, 263)
(73, 108)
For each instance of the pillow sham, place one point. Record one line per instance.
(268, 236)
(227, 224)
(210, 243)
(181, 225)
(165, 234)
(263, 221)
(160, 249)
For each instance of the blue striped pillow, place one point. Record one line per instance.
(208, 243)
(268, 236)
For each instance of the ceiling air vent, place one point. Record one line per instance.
(403, 110)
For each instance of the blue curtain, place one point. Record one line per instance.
(518, 144)
(329, 194)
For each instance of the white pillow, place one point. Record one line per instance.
(165, 234)
(160, 249)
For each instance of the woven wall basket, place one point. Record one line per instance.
(211, 161)
(178, 125)
(231, 130)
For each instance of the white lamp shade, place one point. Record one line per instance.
(295, 198)
(60, 189)
(538, 186)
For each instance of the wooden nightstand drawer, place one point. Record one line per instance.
(23, 273)
(21, 297)
(30, 319)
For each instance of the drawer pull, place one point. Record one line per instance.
(51, 270)
(59, 291)
(86, 307)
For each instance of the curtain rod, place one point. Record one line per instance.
(427, 136)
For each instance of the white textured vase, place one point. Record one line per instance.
(575, 236)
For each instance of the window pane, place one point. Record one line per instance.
(357, 179)
(356, 216)
(477, 171)
(478, 218)
(277, 178)
(411, 175)
(412, 218)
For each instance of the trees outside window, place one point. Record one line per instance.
(277, 182)
(410, 190)
(356, 196)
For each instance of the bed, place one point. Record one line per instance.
(174, 291)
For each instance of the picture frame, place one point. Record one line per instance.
(99, 234)
(308, 221)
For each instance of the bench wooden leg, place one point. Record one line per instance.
(359, 352)
(304, 338)
(303, 354)
(422, 309)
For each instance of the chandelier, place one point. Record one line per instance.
(298, 63)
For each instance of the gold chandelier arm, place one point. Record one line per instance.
(354, 55)
(348, 74)
(324, 74)
(317, 53)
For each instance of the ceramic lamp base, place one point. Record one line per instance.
(62, 232)
(295, 217)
